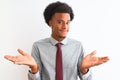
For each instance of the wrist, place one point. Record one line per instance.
(34, 68)
(84, 70)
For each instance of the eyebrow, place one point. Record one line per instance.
(64, 21)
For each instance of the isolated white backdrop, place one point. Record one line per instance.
(96, 25)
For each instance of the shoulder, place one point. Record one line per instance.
(73, 41)
(42, 41)
(75, 44)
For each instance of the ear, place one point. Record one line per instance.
(50, 23)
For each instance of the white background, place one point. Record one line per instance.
(96, 25)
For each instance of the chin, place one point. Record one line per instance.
(62, 36)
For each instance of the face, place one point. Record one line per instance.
(60, 24)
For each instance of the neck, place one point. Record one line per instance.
(59, 39)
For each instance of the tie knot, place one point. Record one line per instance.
(58, 45)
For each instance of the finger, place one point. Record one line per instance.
(21, 52)
(104, 59)
(19, 62)
(10, 58)
(7, 57)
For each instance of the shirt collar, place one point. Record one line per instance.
(54, 42)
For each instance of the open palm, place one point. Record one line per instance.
(90, 60)
(23, 59)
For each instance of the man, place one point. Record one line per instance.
(43, 62)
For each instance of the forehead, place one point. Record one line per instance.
(61, 16)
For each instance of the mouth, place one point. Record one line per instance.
(64, 31)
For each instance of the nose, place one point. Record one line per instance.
(64, 26)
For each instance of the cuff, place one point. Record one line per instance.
(35, 76)
(88, 74)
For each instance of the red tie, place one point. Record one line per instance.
(59, 70)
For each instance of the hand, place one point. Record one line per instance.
(23, 59)
(90, 60)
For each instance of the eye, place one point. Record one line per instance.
(68, 23)
(60, 22)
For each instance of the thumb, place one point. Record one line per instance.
(21, 52)
(93, 53)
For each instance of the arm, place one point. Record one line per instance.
(90, 61)
(87, 75)
(24, 59)
(86, 62)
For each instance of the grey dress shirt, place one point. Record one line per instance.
(44, 53)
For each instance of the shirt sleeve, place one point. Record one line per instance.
(36, 55)
(88, 75)
(33, 76)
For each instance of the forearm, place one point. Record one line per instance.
(35, 76)
(87, 75)
(34, 73)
